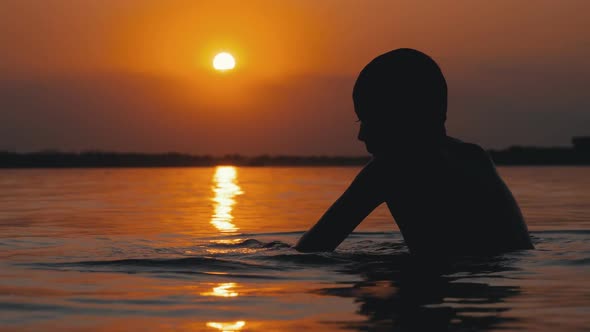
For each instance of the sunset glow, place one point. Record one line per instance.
(280, 69)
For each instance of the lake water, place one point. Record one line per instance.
(208, 249)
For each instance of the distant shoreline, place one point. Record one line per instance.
(513, 156)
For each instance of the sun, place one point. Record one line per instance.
(224, 61)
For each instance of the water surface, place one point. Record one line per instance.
(209, 249)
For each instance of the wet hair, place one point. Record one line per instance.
(403, 88)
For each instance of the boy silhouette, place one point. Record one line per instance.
(444, 194)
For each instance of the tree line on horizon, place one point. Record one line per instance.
(516, 155)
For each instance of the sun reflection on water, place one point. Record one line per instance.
(223, 290)
(225, 189)
(227, 326)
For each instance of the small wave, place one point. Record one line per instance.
(581, 262)
(238, 243)
(273, 233)
(189, 265)
(299, 233)
(188, 262)
(562, 231)
(276, 245)
(306, 258)
(267, 258)
(248, 243)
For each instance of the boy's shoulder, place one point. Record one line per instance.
(466, 154)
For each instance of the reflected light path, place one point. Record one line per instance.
(225, 189)
(223, 290)
(226, 327)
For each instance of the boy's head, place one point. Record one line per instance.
(401, 100)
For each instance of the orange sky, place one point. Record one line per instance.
(136, 75)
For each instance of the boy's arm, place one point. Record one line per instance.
(362, 196)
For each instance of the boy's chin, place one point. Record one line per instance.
(373, 150)
(370, 149)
